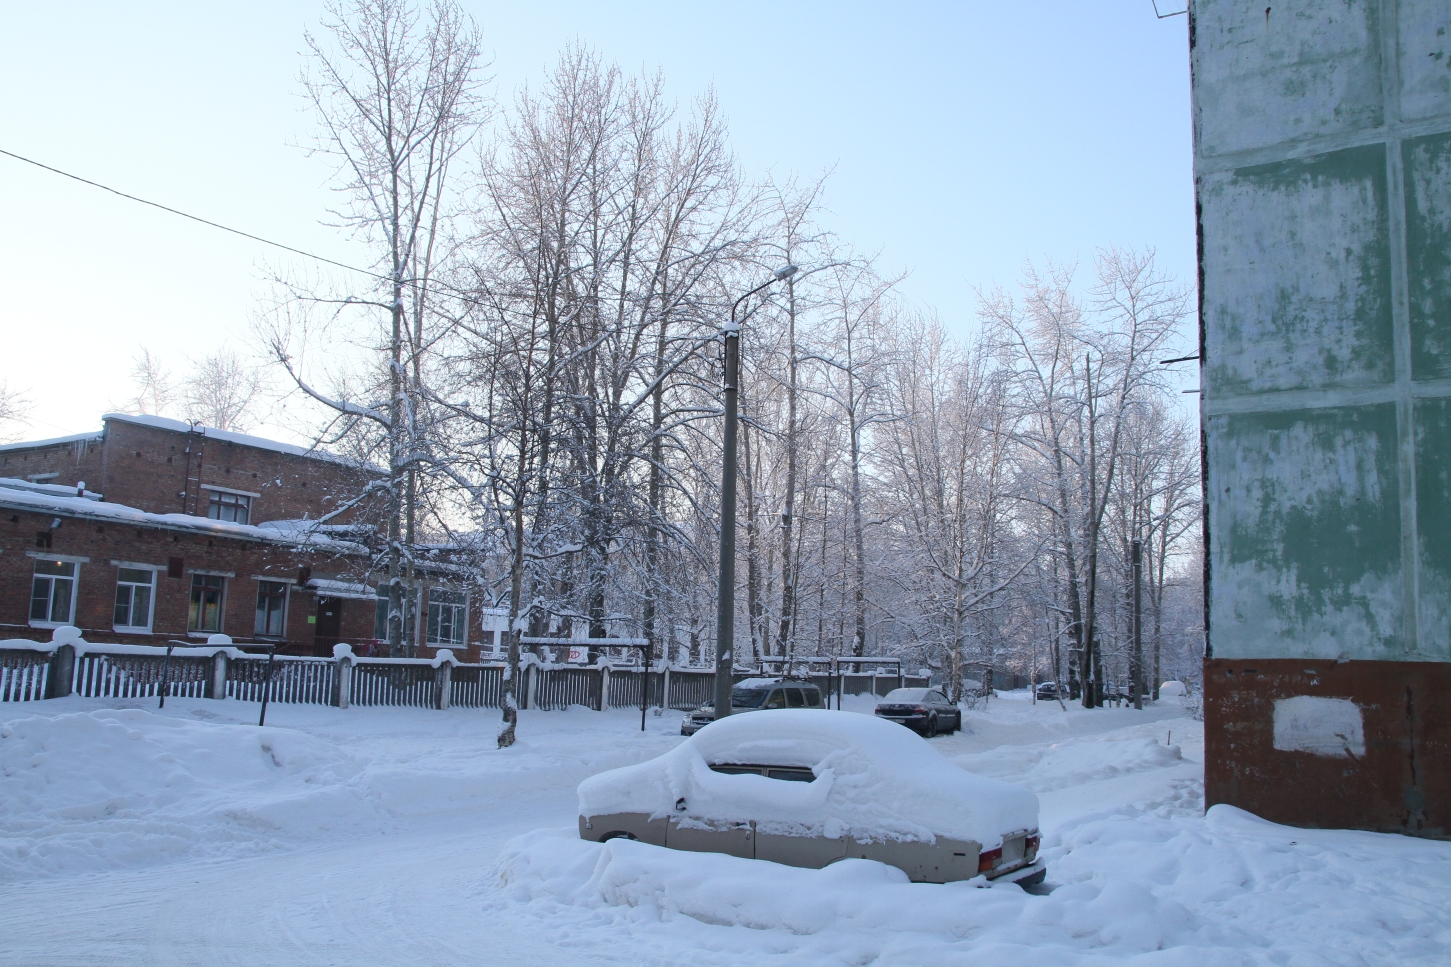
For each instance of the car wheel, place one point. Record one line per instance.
(617, 834)
(931, 726)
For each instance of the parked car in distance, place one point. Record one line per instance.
(924, 710)
(756, 694)
(1048, 691)
(812, 789)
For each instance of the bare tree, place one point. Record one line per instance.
(397, 97)
(220, 390)
(156, 391)
(854, 357)
(1077, 377)
(14, 412)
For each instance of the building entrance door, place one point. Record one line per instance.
(329, 626)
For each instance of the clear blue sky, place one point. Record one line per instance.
(964, 137)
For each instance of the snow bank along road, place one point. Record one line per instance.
(390, 836)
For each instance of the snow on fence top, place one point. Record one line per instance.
(71, 635)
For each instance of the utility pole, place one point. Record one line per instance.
(1138, 654)
(725, 616)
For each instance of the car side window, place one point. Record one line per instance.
(794, 698)
(937, 697)
(737, 770)
(813, 697)
(777, 699)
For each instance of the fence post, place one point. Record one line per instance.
(443, 678)
(604, 688)
(217, 685)
(665, 689)
(343, 682)
(531, 689)
(62, 672)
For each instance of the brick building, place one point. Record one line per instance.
(166, 466)
(153, 530)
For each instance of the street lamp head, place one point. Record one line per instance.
(786, 271)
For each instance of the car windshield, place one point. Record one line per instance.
(905, 695)
(749, 697)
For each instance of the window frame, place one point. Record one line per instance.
(432, 634)
(193, 624)
(239, 503)
(74, 578)
(151, 599)
(285, 596)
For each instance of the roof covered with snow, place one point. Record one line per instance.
(874, 780)
(92, 437)
(27, 498)
(228, 436)
(54, 490)
(330, 588)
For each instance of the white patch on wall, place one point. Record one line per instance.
(1320, 726)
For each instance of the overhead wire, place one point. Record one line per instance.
(457, 294)
(195, 218)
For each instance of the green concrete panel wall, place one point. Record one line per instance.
(1323, 172)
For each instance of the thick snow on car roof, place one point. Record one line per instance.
(905, 695)
(874, 781)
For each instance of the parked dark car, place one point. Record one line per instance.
(924, 710)
(755, 694)
(1048, 691)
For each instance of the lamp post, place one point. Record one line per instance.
(725, 618)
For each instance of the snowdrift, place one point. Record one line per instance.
(120, 787)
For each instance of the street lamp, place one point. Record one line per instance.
(725, 617)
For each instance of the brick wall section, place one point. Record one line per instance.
(146, 467)
(243, 561)
(71, 462)
(103, 542)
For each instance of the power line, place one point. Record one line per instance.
(195, 218)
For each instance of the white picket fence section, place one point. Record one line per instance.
(31, 671)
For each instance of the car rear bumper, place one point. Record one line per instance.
(1030, 874)
(917, 723)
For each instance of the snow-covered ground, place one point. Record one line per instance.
(390, 836)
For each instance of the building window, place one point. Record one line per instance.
(447, 616)
(236, 508)
(380, 616)
(53, 593)
(271, 609)
(134, 587)
(205, 613)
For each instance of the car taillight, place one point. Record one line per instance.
(987, 859)
(920, 709)
(1030, 846)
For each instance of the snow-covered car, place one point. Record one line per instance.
(1047, 691)
(757, 694)
(811, 788)
(924, 710)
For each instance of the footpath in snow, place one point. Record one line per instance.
(398, 836)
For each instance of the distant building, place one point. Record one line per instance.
(154, 530)
(1322, 156)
